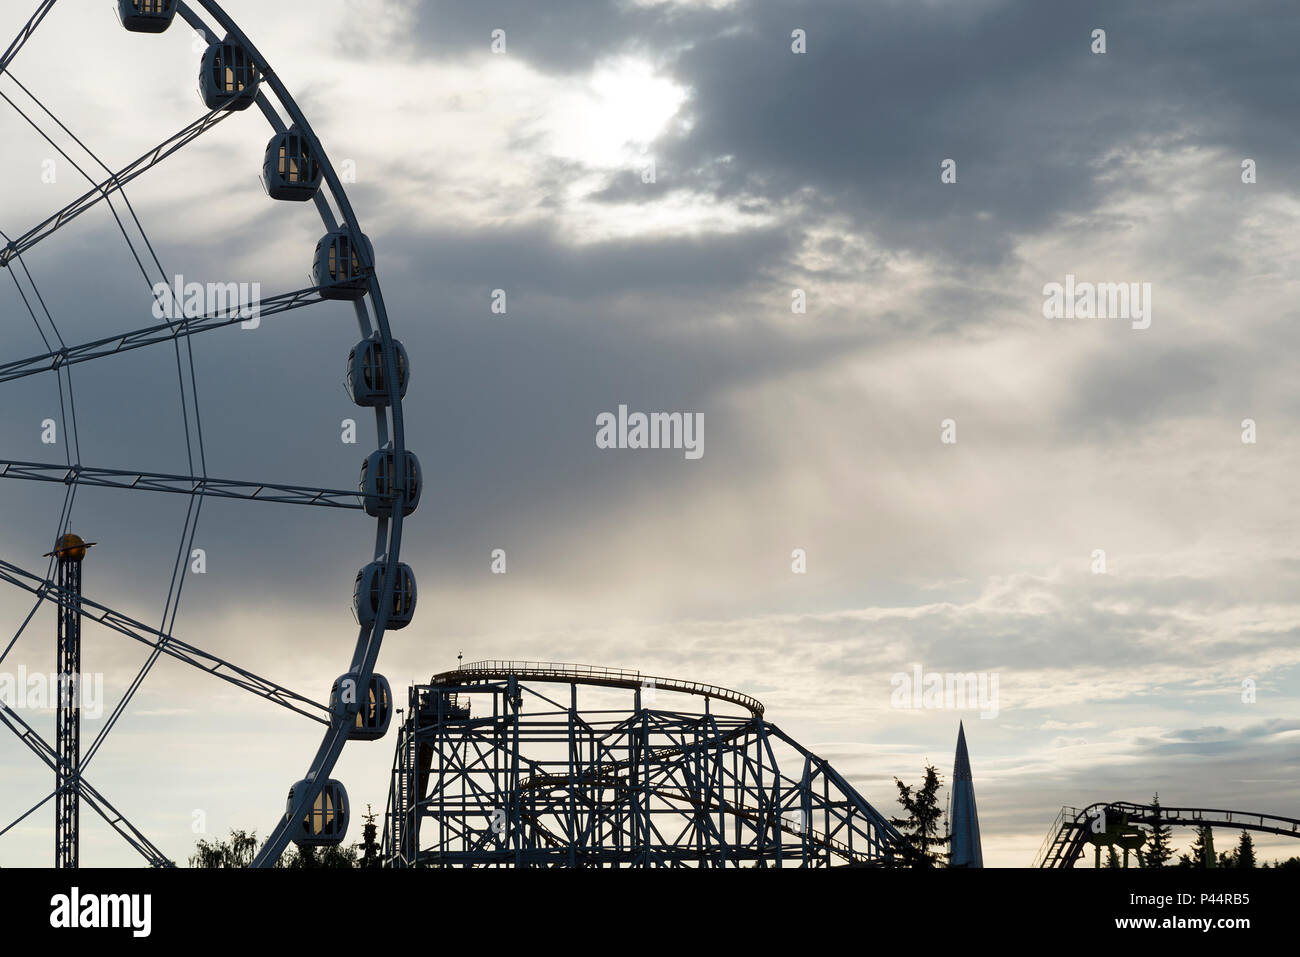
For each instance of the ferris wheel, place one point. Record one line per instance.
(233, 76)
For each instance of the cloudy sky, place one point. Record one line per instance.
(774, 172)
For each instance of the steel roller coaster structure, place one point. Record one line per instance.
(494, 769)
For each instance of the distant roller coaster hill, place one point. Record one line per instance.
(1116, 824)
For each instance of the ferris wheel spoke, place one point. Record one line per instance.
(118, 822)
(180, 484)
(167, 644)
(25, 33)
(26, 814)
(100, 804)
(159, 333)
(111, 185)
(84, 174)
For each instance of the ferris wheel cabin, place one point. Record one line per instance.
(146, 16)
(383, 483)
(372, 709)
(366, 382)
(366, 595)
(339, 271)
(291, 171)
(326, 820)
(228, 77)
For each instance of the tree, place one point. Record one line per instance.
(241, 847)
(1159, 849)
(237, 851)
(1112, 857)
(369, 846)
(309, 858)
(1245, 854)
(921, 825)
(1203, 848)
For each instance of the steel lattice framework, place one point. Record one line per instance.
(67, 808)
(492, 771)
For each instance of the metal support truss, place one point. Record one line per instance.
(151, 335)
(94, 800)
(182, 484)
(489, 772)
(25, 34)
(111, 185)
(197, 657)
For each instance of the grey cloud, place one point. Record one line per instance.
(559, 37)
(1009, 90)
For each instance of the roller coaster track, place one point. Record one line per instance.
(590, 675)
(1065, 840)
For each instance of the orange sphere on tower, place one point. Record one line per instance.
(70, 548)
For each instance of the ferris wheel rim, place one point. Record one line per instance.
(369, 640)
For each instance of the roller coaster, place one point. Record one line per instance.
(494, 768)
(1108, 823)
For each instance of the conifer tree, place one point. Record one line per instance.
(921, 825)
(1245, 850)
(1159, 848)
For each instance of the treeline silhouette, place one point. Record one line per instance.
(240, 848)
